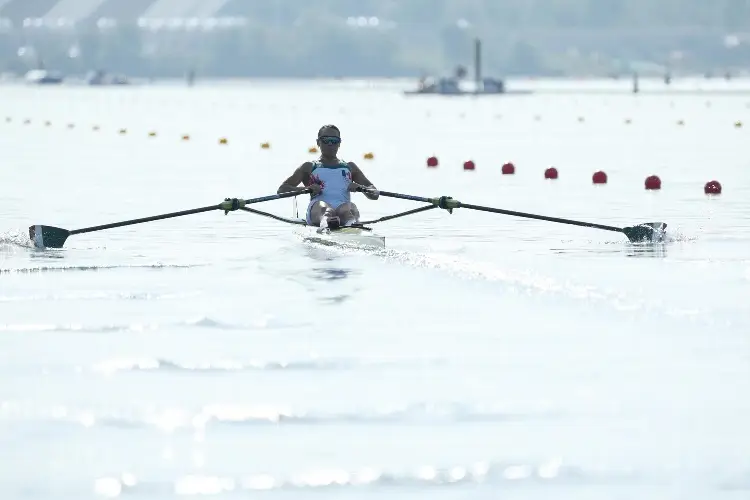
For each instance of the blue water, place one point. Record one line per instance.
(476, 356)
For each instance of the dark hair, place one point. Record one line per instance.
(334, 127)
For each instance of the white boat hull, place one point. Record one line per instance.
(346, 236)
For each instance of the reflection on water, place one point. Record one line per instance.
(317, 253)
(328, 278)
(335, 299)
(46, 254)
(330, 273)
(629, 249)
(656, 250)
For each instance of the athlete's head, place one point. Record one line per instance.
(329, 140)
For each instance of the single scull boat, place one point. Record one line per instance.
(55, 237)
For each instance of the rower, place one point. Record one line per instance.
(331, 182)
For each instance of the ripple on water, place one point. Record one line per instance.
(262, 323)
(125, 365)
(480, 473)
(234, 415)
(100, 267)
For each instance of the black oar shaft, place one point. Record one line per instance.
(457, 204)
(186, 212)
(145, 219)
(540, 217)
(400, 214)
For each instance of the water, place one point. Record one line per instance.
(477, 356)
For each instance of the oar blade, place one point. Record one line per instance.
(646, 232)
(48, 236)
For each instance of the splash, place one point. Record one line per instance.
(454, 265)
(14, 240)
(678, 236)
(524, 281)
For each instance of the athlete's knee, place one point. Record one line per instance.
(355, 210)
(348, 211)
(318, 210)
(320, 207)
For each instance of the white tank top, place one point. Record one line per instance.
(334, 181)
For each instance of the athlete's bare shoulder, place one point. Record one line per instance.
(357, 175)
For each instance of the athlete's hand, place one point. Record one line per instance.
(354, 187)
(314, 189)
(371, 192)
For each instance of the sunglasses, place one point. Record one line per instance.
(330, 140)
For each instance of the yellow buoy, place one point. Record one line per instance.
(312, 150)
(369, 156)
(265, 145)
(223, 140)
(738, 124)
(152, 134)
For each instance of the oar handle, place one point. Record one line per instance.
(278, 196)
(403, 196)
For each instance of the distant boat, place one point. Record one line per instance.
(43, 76)
(99, 77)
(443, 86)
(452, 86)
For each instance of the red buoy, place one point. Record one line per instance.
(712, 187)
(599, 177)
(469, 165)
(509, 169)
(653, 182)
(432, 161)
(550, 173)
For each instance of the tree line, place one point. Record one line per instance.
(388, 38)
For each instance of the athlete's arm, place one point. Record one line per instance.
(301, 174)
(359, 177)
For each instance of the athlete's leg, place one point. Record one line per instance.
(348, 213)
(317, 210)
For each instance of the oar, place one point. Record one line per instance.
(54, 237)
(648, 231)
